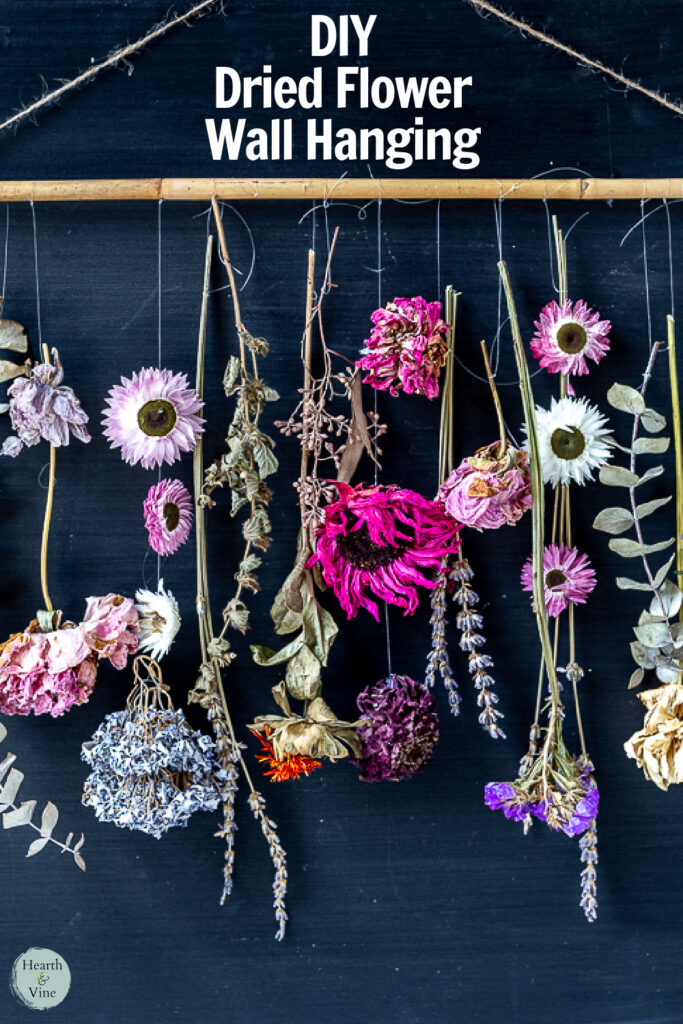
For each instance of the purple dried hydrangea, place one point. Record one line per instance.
(399, 731)
(41, 406)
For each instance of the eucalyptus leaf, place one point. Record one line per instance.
(613, 520)
(626, 399)
(667, 671)
(37, 845)
(651, 445)
(661, 573)
(652, 421)
(9, 791)
(636, 678)
(49, 819)
(624, 583)
(303, 675)
(3, 732)
(649, 507)
(4, 407)
(653, 634)
(6, 765)
(626, 548)
(20, 815)
(651, 549)
(646, 657)
(651, 474)
(668, 597)
(617, 476)
(79, 861)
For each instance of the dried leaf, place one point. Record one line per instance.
(6, 765)
(668, 598)
(3, 732)
(650, 475)
(613, 520)
(320, 629)
(48, 820)
(636, 678)
(20, 815)
(648, 507)
(265, 656)
(79, 861)
(652, 421)
(231, 377)
(9, 791)
(626, 399)
(651, 445)
(265, 459)
(617, 476)
(631, 548)
(13, 336)
(303, 675)
(8, 371)
(653, 634)
(646, 657)
(36, 846)
(662, 573)
(79, 844)
(667, 670)
(624, 583)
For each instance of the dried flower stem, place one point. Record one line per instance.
(502, 432)
(306, 357)
(446, 452)
(678, 448)
(48, 508)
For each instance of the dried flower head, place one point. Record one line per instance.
(152, 417)
(41, 406)
(490, 489)
(573, 439)
(567, 336)
(398, 731)
(168, 516)
(317, 733)
(384, 541)
(159, 617)
(657, 748)
(407, 348)
(568, 577)
(292, 766)
(111, 627)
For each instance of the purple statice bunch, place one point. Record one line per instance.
(41, 406)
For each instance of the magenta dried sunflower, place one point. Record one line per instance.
(398, 730)
(385, 541)
(407, 348)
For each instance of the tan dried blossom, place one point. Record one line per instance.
(317, 733)
(657, 748)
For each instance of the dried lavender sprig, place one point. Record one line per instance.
(588, 844)
(229, 756)
(528, 759)
(439, 660)
(469, 621)
(279, 858)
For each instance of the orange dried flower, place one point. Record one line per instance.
(289, 767)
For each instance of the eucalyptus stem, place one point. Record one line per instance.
(537, 490)
(502, 432)
(49, 499)
(678, 447)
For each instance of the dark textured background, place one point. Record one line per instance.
(408, 903)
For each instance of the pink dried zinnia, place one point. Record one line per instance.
(398, 730)
(153, 417)
(41, 406)
(46, 673)
(565, 337)
(111, 626)
(567, 577)
(489, 490)
(382, 540)
(407, 348)
(168, 516)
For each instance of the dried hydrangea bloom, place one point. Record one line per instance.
(490, 489)
(407, 348)
(41, 406)
(567, 336)
(573, 441)
(152, 417)
(384, 541)
(168, 516)
(568, 577)
(657, 748)
(111, 627)
(159, 618)
(398, 730)
(150, 770)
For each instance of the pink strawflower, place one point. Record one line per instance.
(168, 516)
(41, 406)
(153, 417)
(382, 540)
(407, 348)
(565, 337)
(489, 489)
(111, 627)
(567, 577)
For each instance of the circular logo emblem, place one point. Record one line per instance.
(40, 979)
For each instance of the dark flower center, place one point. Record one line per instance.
(157, 418)
(572, 338)
(362, 552)
(555, 578)
(567, 444)
(171, 515)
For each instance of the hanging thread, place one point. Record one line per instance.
(159, 343)
(3, 294)
(37, 274)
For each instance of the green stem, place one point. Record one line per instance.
(446, 455)
(678, 447)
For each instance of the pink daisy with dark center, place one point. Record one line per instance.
(385, 541)
(153, 417)
(567, 577)
(168, 516)
(407, 348)
(569, 335)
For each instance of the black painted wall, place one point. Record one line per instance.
(409, 903)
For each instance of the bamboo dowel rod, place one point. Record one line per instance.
(203, 189)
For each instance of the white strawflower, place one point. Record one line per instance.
(159, 620)
(573, 440)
